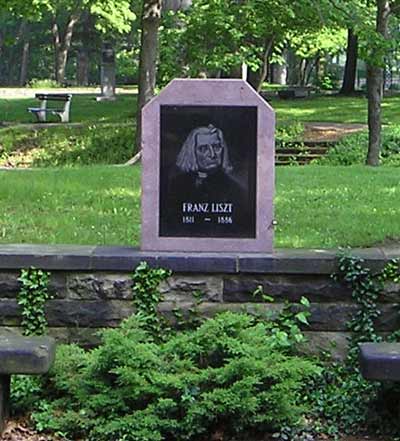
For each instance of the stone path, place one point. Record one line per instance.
(9, 92)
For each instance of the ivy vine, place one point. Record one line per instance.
(32, 298)
(366, 287)
(147, 296)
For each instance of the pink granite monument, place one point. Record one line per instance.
(208, 168)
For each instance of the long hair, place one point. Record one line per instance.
(187, 161)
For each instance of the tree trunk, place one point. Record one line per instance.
(265, 62)
(311, 65)
(25, 57)
(293, 68)
(82, 76)
(151, 15)
(1, 42)
(83, 56)
(62, 45)
(13, 74)
(375, 88)
(302, 71)
(375, 83)
(350, 69)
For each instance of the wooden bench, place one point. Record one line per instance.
(380, 361)
(21, 355)
(44, 98)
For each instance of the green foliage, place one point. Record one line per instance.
(231, 375)
(147, 296)
(353, 149)
(224, 377)
(40, 83)
(328, 82)
(317, 42)
(94, 144)
(343, 398)
(32, 299)
(284, 328)
(25, 393)
(287, 133)
(366, 288)
(216, 36)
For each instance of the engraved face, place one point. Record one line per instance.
(209, 152)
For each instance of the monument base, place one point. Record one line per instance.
(106, 98)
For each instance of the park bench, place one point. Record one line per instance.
(21, 355)
(295, 92)
(380, 361)
(45, 98)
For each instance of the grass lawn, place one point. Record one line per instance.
(84, 108)
(316, 206)
(334, 109)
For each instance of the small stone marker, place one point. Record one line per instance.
(21, 355)
(107, 73)
(380, 361)
(208, 168)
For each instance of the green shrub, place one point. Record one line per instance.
(43, 83)
(287, 133)
(227, 376)
(26, 391)
(342, 399)
(94, 144)
(353, 149)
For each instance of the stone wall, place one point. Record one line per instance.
(92, 287)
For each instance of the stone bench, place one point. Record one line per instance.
(380, 361)
(21, 355)
(44, 98)
(295, 92)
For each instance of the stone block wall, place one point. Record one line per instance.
(92, 287)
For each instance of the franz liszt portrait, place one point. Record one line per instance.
(204, 155)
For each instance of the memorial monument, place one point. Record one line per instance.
(208, 168)
(107, 80)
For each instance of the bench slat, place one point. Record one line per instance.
(53, 97)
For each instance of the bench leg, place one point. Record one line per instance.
(41, 116)
(4, 400)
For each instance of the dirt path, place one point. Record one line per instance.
(18, 92)
(330, 131)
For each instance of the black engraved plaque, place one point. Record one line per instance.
(208, 171)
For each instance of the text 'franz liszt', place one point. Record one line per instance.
(207, 207)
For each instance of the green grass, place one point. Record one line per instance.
(316, 207)
(333, 109)
(89, 205)
(84, 109)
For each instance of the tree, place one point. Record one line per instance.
(375, 81)
(350, 69)
(150, 22)
(63, 16)
(371, 24)
(311, 47)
